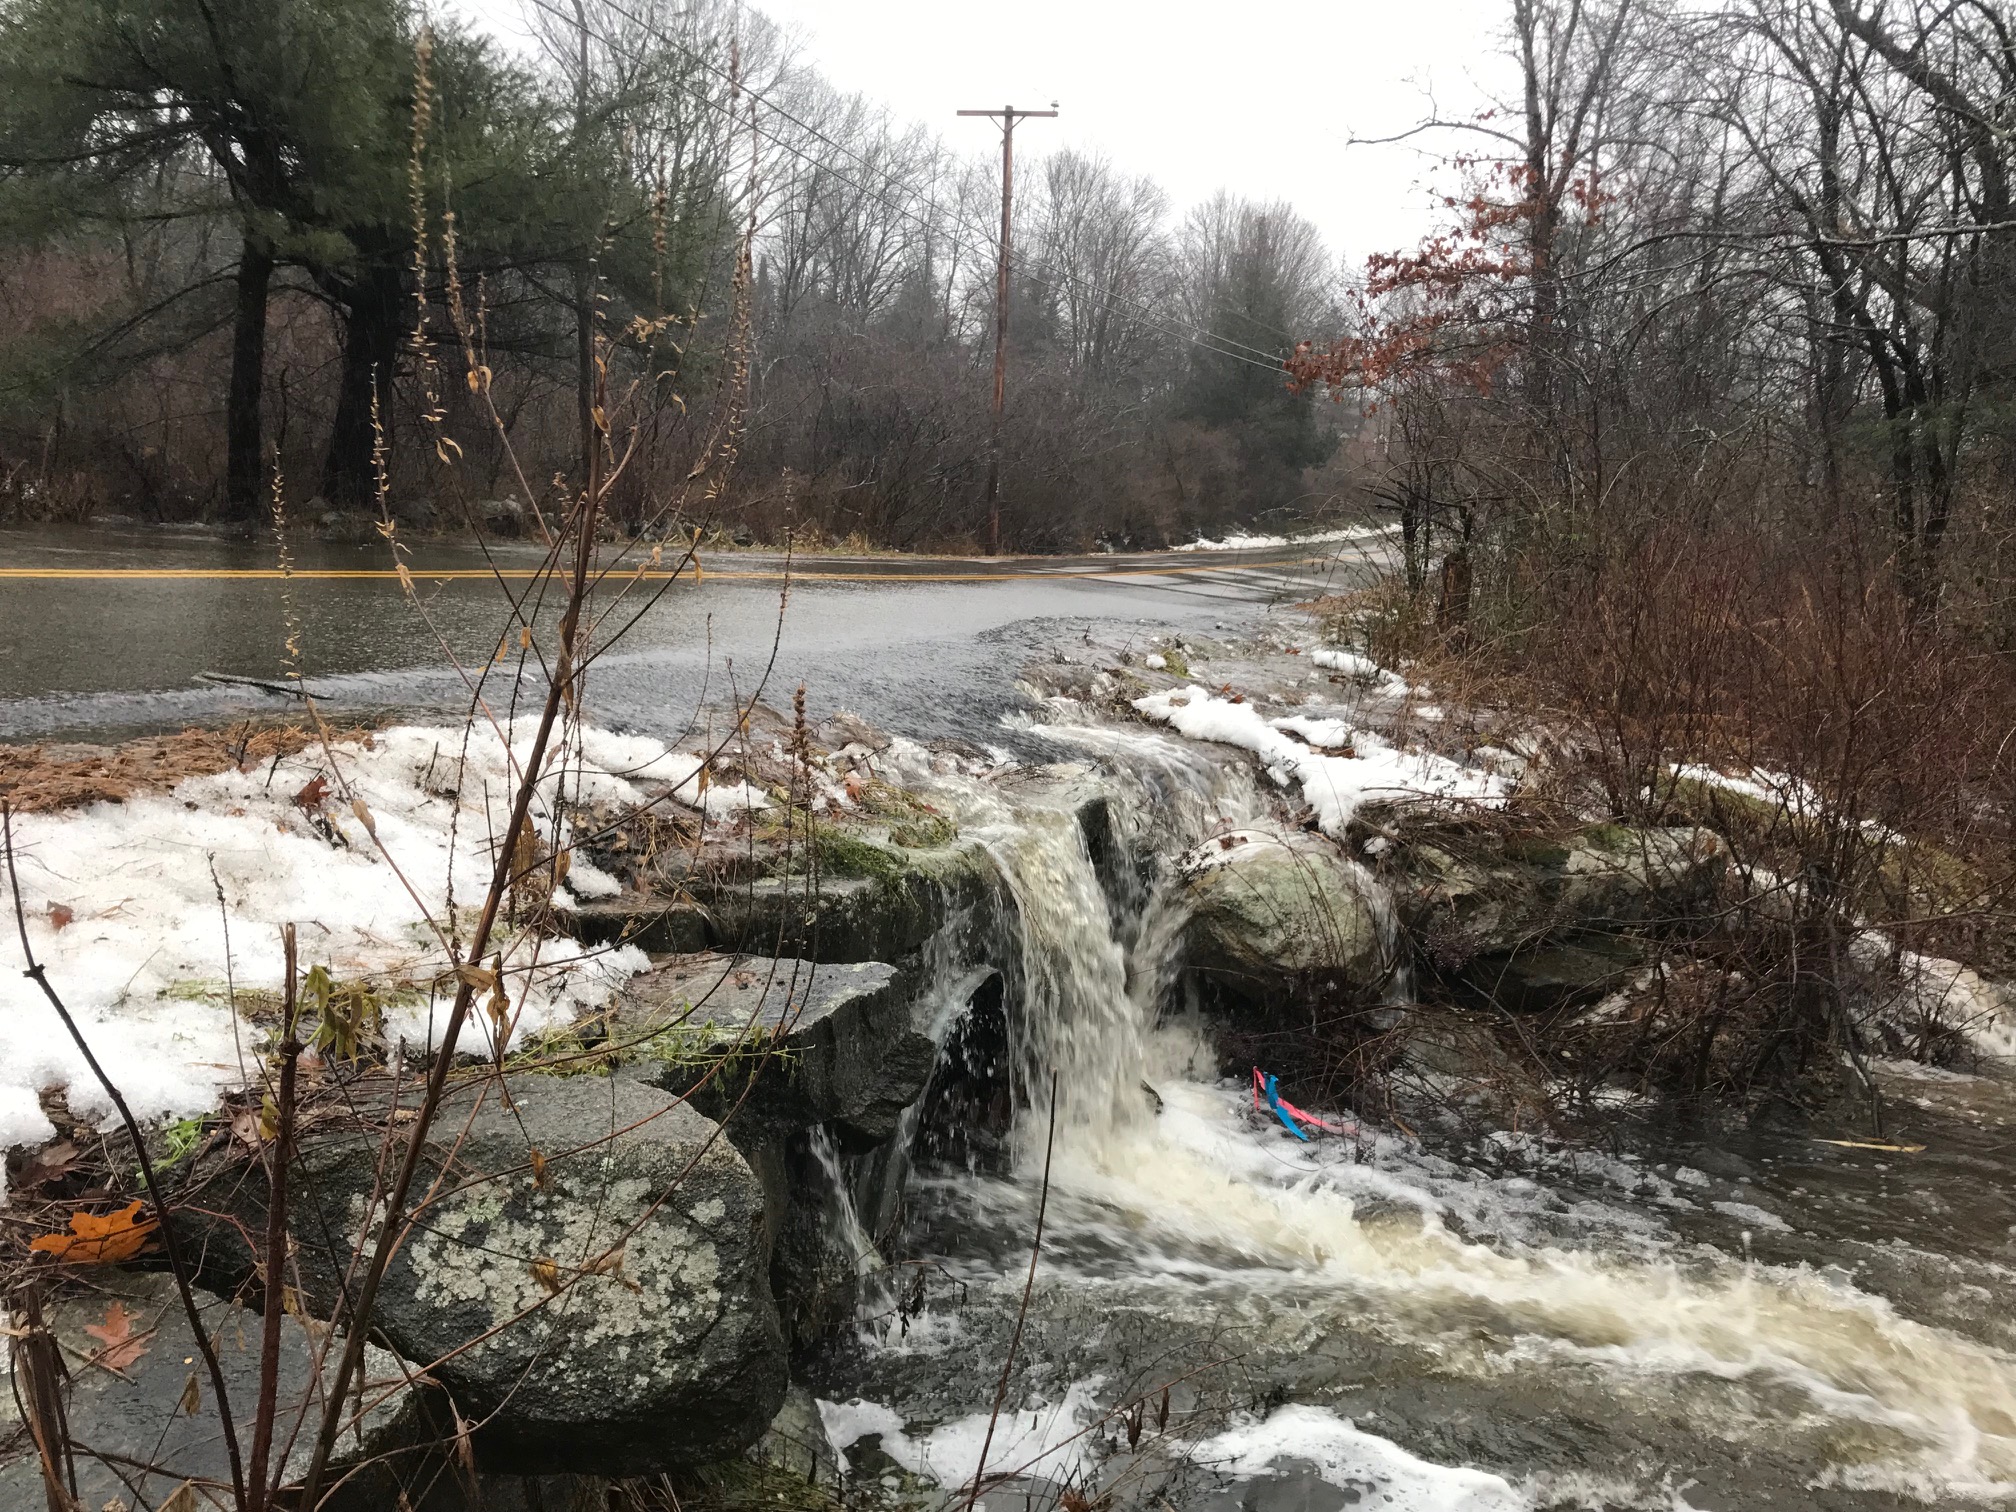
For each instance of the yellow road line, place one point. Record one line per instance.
(613, 575)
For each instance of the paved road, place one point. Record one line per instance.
(107, 633)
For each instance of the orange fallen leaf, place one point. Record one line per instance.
(122, 1345)
(99, 1238)
(313, 791)
(60, 915)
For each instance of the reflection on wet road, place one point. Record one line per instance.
(106, 633)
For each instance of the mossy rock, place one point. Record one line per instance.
(1478, 893)
(927, 833)
(843, 853)
(1280, 916)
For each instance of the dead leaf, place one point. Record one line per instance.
(364, 817)
(547, 1273)
(191, 1402)
(538, 1170)
(100, 1238)
(60, 915)
(48, 1163)
(248, 1129)
(313, 791)
(122, 1346)
(608, 1264)
(182, 1499)
(476, 977)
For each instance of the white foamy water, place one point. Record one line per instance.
(1500, 1279)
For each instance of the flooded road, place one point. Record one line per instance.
(109, 633)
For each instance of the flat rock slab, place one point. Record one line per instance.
(841, 1043)
(133, 1437)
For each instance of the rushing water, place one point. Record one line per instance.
(1588, 1330)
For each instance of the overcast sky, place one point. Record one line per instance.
(1258, 96)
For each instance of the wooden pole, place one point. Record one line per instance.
(1008, 115)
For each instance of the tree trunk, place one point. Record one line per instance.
(370, 356)
(242, 427)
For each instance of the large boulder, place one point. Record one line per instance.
(1533, 923)
(604, 1307)
(793, 1043)
(139, 1429)
(873, 899)
(803, 1063)
(1463, 893)
(1278, 914)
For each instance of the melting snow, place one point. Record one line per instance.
(1254, 542)
(143, 961)
(1351, 664)
(1334, 786)
(1047, 1441)
(1377, 1473)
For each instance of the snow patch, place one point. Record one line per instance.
(142, 960)
(1334, 786)
(1375, 1472)
(1046, 1441)
(1254, 542)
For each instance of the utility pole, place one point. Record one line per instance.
(1008, 115)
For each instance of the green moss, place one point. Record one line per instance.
(842, 854)
(1176, 665)
(560, 1052)
(887, 801)
(1611, 837)
(1536, 850)
(739, 1485)
(1937, 879)
(1738, 815)
(927, 833)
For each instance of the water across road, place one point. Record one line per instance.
(106, 633)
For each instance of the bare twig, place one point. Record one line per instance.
(1022, 1312)
(177, 1262)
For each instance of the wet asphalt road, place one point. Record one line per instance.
(106, 634)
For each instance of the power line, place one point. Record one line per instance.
(1212, 342)
(1270, 359)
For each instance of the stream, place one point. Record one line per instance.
(1689, 1319)
(1222, 1316)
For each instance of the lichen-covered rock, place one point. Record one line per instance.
(604, 1308)
(139, 1431)
(1463, 894)
(1277, 914)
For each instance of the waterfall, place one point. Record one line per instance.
(1185, 1204)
